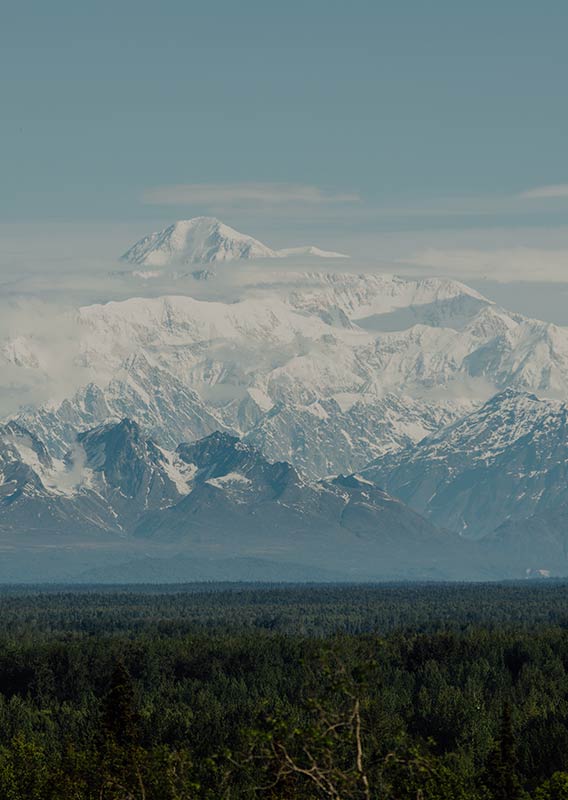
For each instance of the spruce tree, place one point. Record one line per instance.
(121, 769)
(120, 719)
(502, 776)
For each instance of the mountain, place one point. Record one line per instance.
(183, 368)
(110, 477)
(500, 465)
(206, 240)
(131, 473)
(202, 240)
(428, 382)
(329, 436)
(118, 494)
(382, 302)
(536, 546)
(157, 399)
(242, 505)
(37, 492)
(326, 371)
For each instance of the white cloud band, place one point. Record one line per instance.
(543, 192)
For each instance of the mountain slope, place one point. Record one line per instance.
(379, 301)
(241, 505)
(537, 545)
(106, 482)
(505, 462)
(37, 493)
(215, 499)
(167, 408)
(329, 436)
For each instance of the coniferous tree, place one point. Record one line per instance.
(121, 774)
(120, 717)
(502, 776)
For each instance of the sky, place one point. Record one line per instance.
(430, 135)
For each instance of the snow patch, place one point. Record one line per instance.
(228, 479)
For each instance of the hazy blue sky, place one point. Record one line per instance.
(101, 101)
(356, 117)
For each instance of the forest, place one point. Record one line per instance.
(288, 692)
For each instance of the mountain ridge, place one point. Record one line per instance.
(506, 461)
(216, 498)
(370, 362)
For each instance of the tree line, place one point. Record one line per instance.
(293, 692)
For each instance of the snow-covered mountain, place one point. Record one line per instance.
(379, 301)
(217, 498)
(240, 502)
(106, 481)
(504, 462)
(324, 437)
(426, 379)
(206, 240)
(327, 371)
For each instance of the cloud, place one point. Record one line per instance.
(231, 194)
(543, 192)
(499, 264)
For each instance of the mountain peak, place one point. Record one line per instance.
(207, 240)
(512, 393)
(218, 449)
(201, 240)
(506, 460)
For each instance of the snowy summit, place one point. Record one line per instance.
(206, 240)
